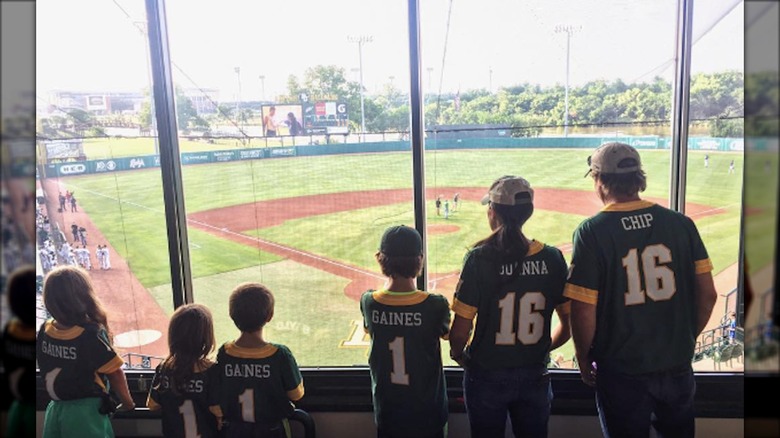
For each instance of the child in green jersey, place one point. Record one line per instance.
(258, 380)
(405, 325)
(77, 359)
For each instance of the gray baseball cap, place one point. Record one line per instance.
(614, 157)
(504, 190)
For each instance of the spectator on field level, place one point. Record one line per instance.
(407, 380)
(73, 208)
(74, 230)
(642, 292)
(731, 327)
(266, 411)
(506, 278)
(18, 353)
(75, 353)
(62, 200)
(188, 377)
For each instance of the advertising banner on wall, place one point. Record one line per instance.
(326, 117)
(63, 150)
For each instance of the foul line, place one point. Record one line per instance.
(254, 239)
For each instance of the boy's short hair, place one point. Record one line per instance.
(251, 306)
(399, 252)
(21, 294)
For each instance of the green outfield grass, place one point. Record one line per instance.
(135, 226)
(104, 148)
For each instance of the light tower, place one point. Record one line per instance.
(568, 29)
(360, 40)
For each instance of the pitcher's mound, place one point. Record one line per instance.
(442, 229)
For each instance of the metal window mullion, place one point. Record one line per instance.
(416, 133)
(681, 104)
(170, 162)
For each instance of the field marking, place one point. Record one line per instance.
(244, 236)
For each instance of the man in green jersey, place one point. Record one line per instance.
(405, 324)
(642, 291)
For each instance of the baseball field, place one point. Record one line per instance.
(308, 228)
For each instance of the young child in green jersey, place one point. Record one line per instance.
(405, 324)
(76, 358)
(258, 380)
(18, 352)
(185, 384)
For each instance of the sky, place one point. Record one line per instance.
(95, 45)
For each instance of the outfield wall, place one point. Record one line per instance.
(431, 144)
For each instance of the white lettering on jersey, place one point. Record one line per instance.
(247, 370)
(637, 222)
(60, 351)
(530, 267)
(409, 319)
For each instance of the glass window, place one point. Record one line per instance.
(98, 171)
(291, 121)
(532, 91)
(713, 190)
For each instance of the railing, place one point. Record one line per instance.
(141, 361)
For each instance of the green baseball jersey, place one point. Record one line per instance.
(407, 379)
(18, 356)
(637, 262)
(188, 412)
(513, 301)
(73, 362)
(258, 384)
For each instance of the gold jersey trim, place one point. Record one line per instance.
(234, 350)
(580, 293)
(63, 335)
(297, 393)
(703, 266)
(21, 332)
(399, 298)
(628, 206)
(111, 366)
(463, 310)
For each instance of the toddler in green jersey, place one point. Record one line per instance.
(185, 384)
(405, 324)
(258, 380)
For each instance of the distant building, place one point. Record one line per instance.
(99, 103)
(204, 100)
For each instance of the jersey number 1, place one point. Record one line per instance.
(187, 411)
(659, 279)
(398, 375)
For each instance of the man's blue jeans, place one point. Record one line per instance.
(629, 405)
(525, 394)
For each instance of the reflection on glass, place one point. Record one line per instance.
(100, 200)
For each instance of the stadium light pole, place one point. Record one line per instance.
(262, 87)
(142, 27)
(238, 97)
(430, 81)
(568, 29)
(360, 40)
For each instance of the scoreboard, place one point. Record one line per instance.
(325, 117)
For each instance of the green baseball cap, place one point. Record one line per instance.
(401, 241)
